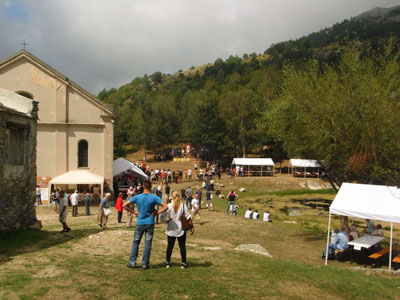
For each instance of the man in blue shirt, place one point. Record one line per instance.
(339, 243)
(145, 203)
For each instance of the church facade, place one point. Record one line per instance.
(74, 130)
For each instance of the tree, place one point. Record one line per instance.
(205, 128)
(346, 116)
(239, 107)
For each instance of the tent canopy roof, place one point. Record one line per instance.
(253, 161)
(377, 202)
(304, 163)
(122, 165)
(78, 177)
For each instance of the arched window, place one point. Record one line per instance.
(83, 154)
(25, 94)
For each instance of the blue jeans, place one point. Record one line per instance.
(139, 230)
(189, 202)
(331, 249)
(228, 207)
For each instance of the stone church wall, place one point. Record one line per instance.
(17, 182)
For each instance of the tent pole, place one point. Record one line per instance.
(327, 240)
(391, 245)
(248, 171)
(261, 171)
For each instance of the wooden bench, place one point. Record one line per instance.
(380, 253)
(397, 259)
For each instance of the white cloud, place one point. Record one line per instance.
(103, 43)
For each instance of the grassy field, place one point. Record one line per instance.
(89, 263)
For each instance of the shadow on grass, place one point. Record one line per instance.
(307, 237)
(192, 265)
(28, 241)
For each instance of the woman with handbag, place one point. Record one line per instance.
(179, 222)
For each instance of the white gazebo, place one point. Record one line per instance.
(303, 164)
(122, 165)
(255, 162)
(78, 177)
(375, 202)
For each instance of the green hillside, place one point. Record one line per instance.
(223, 108)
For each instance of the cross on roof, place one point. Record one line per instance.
(24, 44)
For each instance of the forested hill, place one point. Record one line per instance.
(371, 26)
(221, 107)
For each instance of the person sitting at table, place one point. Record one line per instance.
(378, 230)
(353, 233)
(339, 243)
(370, 226)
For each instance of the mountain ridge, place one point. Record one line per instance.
(377, 12)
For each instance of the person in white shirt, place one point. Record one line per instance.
(189, 174)
(74, 202)
(63, 211)
(196, 208)
(177, 209)
(255, 215)
(248, 214)
(266, 217)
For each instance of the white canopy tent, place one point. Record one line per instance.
(122, 165)
(78, 177)
(304, 164)
(261, 162)
(375, 202)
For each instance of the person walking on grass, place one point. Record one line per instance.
(87, 203)
(196, 208)
(118, 206)
(209, 200)
(74, 202)
(131, 192)
(167, 191)
(104, 211)
(189, 196)
(63, 211)
(174, 231)
(145, 204)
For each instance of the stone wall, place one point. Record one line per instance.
(17, 182)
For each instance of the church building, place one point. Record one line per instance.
(74, 128)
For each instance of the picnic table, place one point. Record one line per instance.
(366, 241)
(362, 244)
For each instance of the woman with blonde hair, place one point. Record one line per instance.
(174, 231)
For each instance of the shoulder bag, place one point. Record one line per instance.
(185, 223)
(107, 211)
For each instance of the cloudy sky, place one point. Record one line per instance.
(103, 43)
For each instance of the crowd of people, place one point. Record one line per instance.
(341, 238)
(153, 202)
(209, 171)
